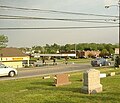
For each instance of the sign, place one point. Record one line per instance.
(17, 58)
(116, 50)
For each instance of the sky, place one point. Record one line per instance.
(41, 37)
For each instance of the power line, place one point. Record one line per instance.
(59, 19)
(4, 15)
(51, 28)
(55, 11)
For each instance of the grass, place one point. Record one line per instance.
(38, 90)
(75, 60)
(80, 60)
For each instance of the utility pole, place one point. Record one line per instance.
(117, 60)
(119, 26)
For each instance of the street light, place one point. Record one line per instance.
(119, 21)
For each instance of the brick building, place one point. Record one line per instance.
(86, 54)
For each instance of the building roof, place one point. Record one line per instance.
(57, 55)
(11, 52)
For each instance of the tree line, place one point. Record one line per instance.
(106, 49)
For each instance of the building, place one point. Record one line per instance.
(83, 54)
(86, 54)
(13, 57)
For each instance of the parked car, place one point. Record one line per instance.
(7, 71)
(38, 64)
(100, 62)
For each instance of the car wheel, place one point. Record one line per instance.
(12, 74)
(100, 65)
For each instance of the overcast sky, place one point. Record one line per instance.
(29, 38)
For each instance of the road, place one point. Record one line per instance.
(48, 70)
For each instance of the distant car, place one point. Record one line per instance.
(38, 64)
(100, 62)
(7, 71)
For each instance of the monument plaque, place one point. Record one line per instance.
(112, 74)
(91, 82)
(61, 79)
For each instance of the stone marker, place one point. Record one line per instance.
(61, 79)
(102, 75)
(91, 82)
(46, 77)
(112, 73)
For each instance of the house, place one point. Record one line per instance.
(13, 57)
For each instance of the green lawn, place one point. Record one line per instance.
(75, 60)
(38, 90)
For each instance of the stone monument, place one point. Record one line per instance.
(61, 79)
(91, 82)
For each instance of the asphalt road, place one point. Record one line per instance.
(48, 70)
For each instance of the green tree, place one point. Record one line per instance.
(79, 47)
(104, 53)
(100, 47)
(67, 47)
(3, 41)
(93, 46)
(55, 48)
(47, 49)
(111, 51)
(51, 48)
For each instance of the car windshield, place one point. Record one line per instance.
(98, 58)
(2, 66)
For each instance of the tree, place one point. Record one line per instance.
(104, 53)
(47, 49)
(67, 47)
(93, 46)
(3, 41)
(111, 51)
(37, 49)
